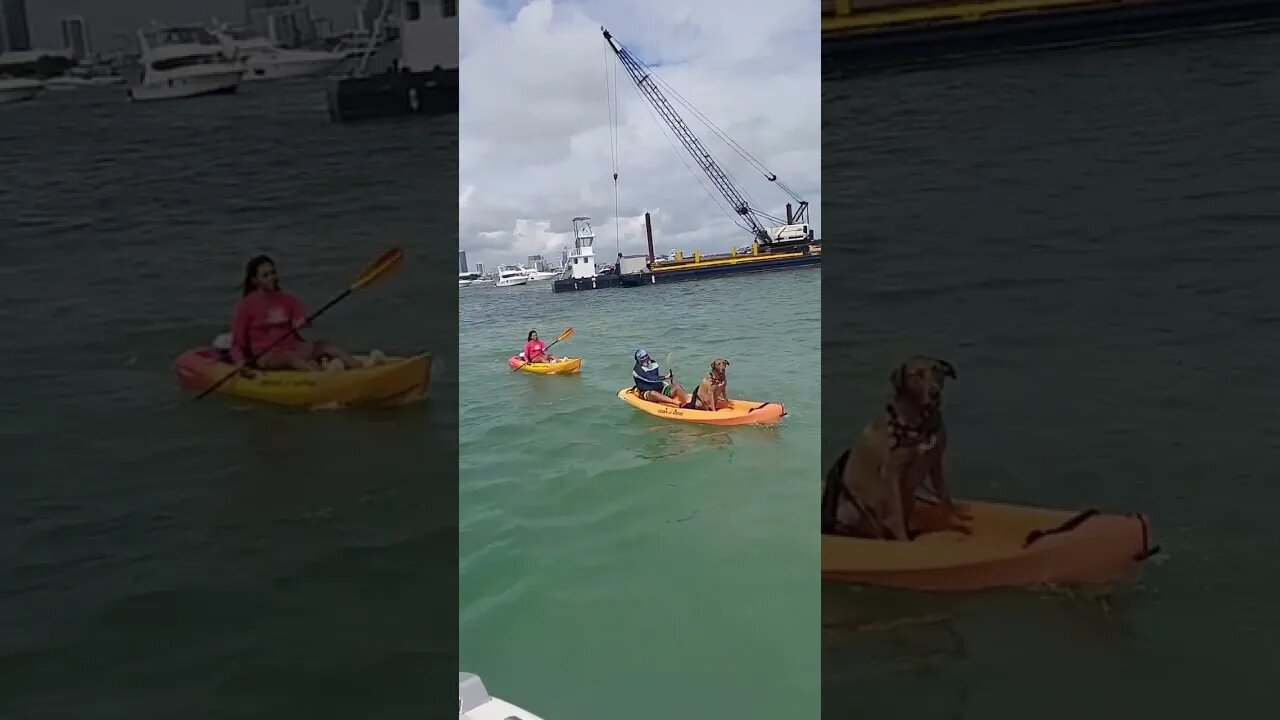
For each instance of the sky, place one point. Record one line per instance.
(535, 130)
(109, 18)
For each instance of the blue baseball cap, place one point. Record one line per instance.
(641, 352)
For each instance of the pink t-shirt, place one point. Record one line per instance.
(260, 319)
(533, 350)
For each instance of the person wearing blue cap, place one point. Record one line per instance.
(652, 385)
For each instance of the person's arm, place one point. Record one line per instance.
(297, 315)
(239, 334)
(644, 378)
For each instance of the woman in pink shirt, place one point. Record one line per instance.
(266, 315)
(535, 351)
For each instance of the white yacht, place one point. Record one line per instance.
(14, 89)
(180, 62)
(467, 278)
(82, 76)
(510, 275)
(535, 275)
(475, 702)
(264, 60)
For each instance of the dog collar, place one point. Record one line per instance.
(923, 435)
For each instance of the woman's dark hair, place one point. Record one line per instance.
(530, 335)
(251, 272)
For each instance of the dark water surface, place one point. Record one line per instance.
(164, 558)
(1090, 237)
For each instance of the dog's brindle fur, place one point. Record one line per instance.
(871, 490)
(713, 391)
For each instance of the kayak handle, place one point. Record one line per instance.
(1067, 526)
(1146, 537)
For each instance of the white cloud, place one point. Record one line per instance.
(535, 130)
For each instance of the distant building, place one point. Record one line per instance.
(322, 27)
(564, 258)
(13, 21)
(462, 261)
(537, 263)
(284, 22)
(75, 37)
(479, 268)
(367, 14)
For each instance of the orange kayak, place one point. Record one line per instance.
(738, 412)
(1008, 546)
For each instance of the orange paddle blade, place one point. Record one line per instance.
(379, 269)
(565, 334)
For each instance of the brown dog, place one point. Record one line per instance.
(871, 490)
(713, 392)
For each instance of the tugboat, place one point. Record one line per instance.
(777, 243)
(423, 81)
(475, 703)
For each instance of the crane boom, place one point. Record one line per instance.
(641, 76)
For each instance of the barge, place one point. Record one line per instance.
(884, 34)
(423, 80)
(794, 248)
(786, 245)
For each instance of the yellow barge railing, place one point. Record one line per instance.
(846, 16)
(732, 258)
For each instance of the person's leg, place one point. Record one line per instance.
(679, 395)
(658, 397)
(287, 361)
(323, 347)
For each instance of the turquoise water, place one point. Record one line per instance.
(614, 560)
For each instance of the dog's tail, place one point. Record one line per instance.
(832, 488)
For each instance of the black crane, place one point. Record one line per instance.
(643, 78)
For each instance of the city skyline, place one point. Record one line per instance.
(16, 25)
(113, 24)
(75, 37)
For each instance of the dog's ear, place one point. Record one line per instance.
(897, 377)
(947, 369)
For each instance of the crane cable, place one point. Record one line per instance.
(611, 96)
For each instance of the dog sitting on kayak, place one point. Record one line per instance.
(713, 392)
(870, 491)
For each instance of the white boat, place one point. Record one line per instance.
(535, 275)
(14, 89)
(181, 62)
(475, 702)
(264, 60)
(84, 76)
(467, 278)
(510, 275)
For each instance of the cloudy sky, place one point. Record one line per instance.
(535, 122)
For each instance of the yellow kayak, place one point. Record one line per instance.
(563, 366)
(397, 381)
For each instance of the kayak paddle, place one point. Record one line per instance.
(564, 335)
(374, 272)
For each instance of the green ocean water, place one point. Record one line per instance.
(1090, 237)
(167, 558)
(616, 564)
